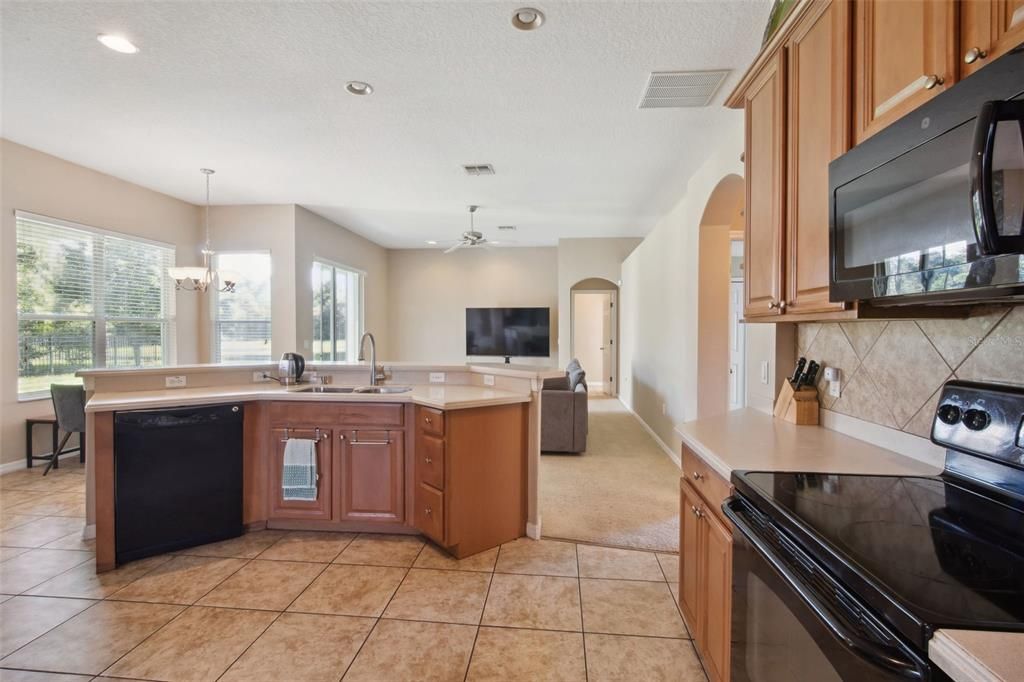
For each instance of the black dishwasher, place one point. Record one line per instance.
(177, 478)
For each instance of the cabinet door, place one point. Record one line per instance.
(717, 591)
(320, 508)
(988, 29)
(764, 105)
(818, 117)
(690, 545)
(904, 54)
(372, 476)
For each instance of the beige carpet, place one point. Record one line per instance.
(624, 490)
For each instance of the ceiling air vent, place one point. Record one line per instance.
(672, 89)
(507, 228)
(479, 169)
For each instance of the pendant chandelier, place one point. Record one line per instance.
(200, 278)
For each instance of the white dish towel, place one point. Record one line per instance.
(298, 469)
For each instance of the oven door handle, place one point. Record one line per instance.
(911, 667)
(986, 229)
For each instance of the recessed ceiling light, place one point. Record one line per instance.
(527, 18)
(359, 88)
(432, 242)
(117, 43)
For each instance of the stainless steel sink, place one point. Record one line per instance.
(383, 389)
(326, 389)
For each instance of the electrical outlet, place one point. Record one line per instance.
(664, 409)
(488, 380)
(257, 377)
(177, 381)
(437, 377)
(764, 371)
(834, 388)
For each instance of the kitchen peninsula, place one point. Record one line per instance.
(454, 457)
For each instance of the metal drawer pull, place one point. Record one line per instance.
(697, 476)
(428, 460)
(371, 442)
(427, 419)
(316, 438)
(931, 81)
(974, 54)
(428, 511)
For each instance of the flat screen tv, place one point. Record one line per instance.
(508, 332)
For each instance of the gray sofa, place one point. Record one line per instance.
(563, 415)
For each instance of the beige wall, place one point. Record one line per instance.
(261, 228)
(33, 181)
(429, 292)
(658, 301)
(580, 259)
(317, 237)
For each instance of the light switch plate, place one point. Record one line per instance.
(488, 380)
(177, 381)
(437, 377)
(764, 371)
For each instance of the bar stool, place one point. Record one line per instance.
(69, 408)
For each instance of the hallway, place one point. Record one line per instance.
(623, 491)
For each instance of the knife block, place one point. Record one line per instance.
(797, 407)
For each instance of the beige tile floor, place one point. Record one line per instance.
(275, 605)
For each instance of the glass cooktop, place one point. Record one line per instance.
(926, 550)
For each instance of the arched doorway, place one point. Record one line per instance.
(720, 351)
(594, 332)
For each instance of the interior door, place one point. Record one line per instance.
(609, 343)
(737, 347)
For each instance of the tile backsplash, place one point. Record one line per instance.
(892, 371)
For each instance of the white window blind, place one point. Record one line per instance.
(242, 321)
(337, 312)
(88, 298)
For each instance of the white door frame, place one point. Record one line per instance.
(610, 383)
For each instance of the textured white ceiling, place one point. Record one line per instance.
(256, 91)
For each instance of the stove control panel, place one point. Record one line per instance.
(981, 419)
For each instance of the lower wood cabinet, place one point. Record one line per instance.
(705, 567)
(371, 475)
(318, 509)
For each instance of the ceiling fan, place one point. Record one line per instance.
(471, 237)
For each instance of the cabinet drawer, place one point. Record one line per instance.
(430, 420)
(705, 480)
(430, 460)
(294, 414)
(430, 512)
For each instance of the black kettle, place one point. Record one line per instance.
(290, 368)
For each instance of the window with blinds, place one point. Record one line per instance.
(241, 320)
(337, 312)
(88, 298)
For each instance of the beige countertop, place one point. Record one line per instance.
(751, 440)
(496, 368)
(443, 397)
(978, 656)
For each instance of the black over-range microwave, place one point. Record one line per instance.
(930, 210)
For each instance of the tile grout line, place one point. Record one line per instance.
(480, 621)
(583, 627)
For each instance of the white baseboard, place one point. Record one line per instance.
(19, 463)
(672, 455)
(533, 530)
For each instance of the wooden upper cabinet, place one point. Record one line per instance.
(818, 116)
(988, 29)
(765, 167)
(904, 54)
(371, 475)
(318, 509)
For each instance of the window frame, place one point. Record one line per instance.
(360, 322)
(98, 318)
(215, 307)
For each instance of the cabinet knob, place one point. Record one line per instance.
(931, 81)
(427, 419)
(428, 460)
(428, 511)
(779, 305)
(341, 436)
(697, 475)
(974, 54)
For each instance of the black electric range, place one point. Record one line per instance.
(868, 567)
